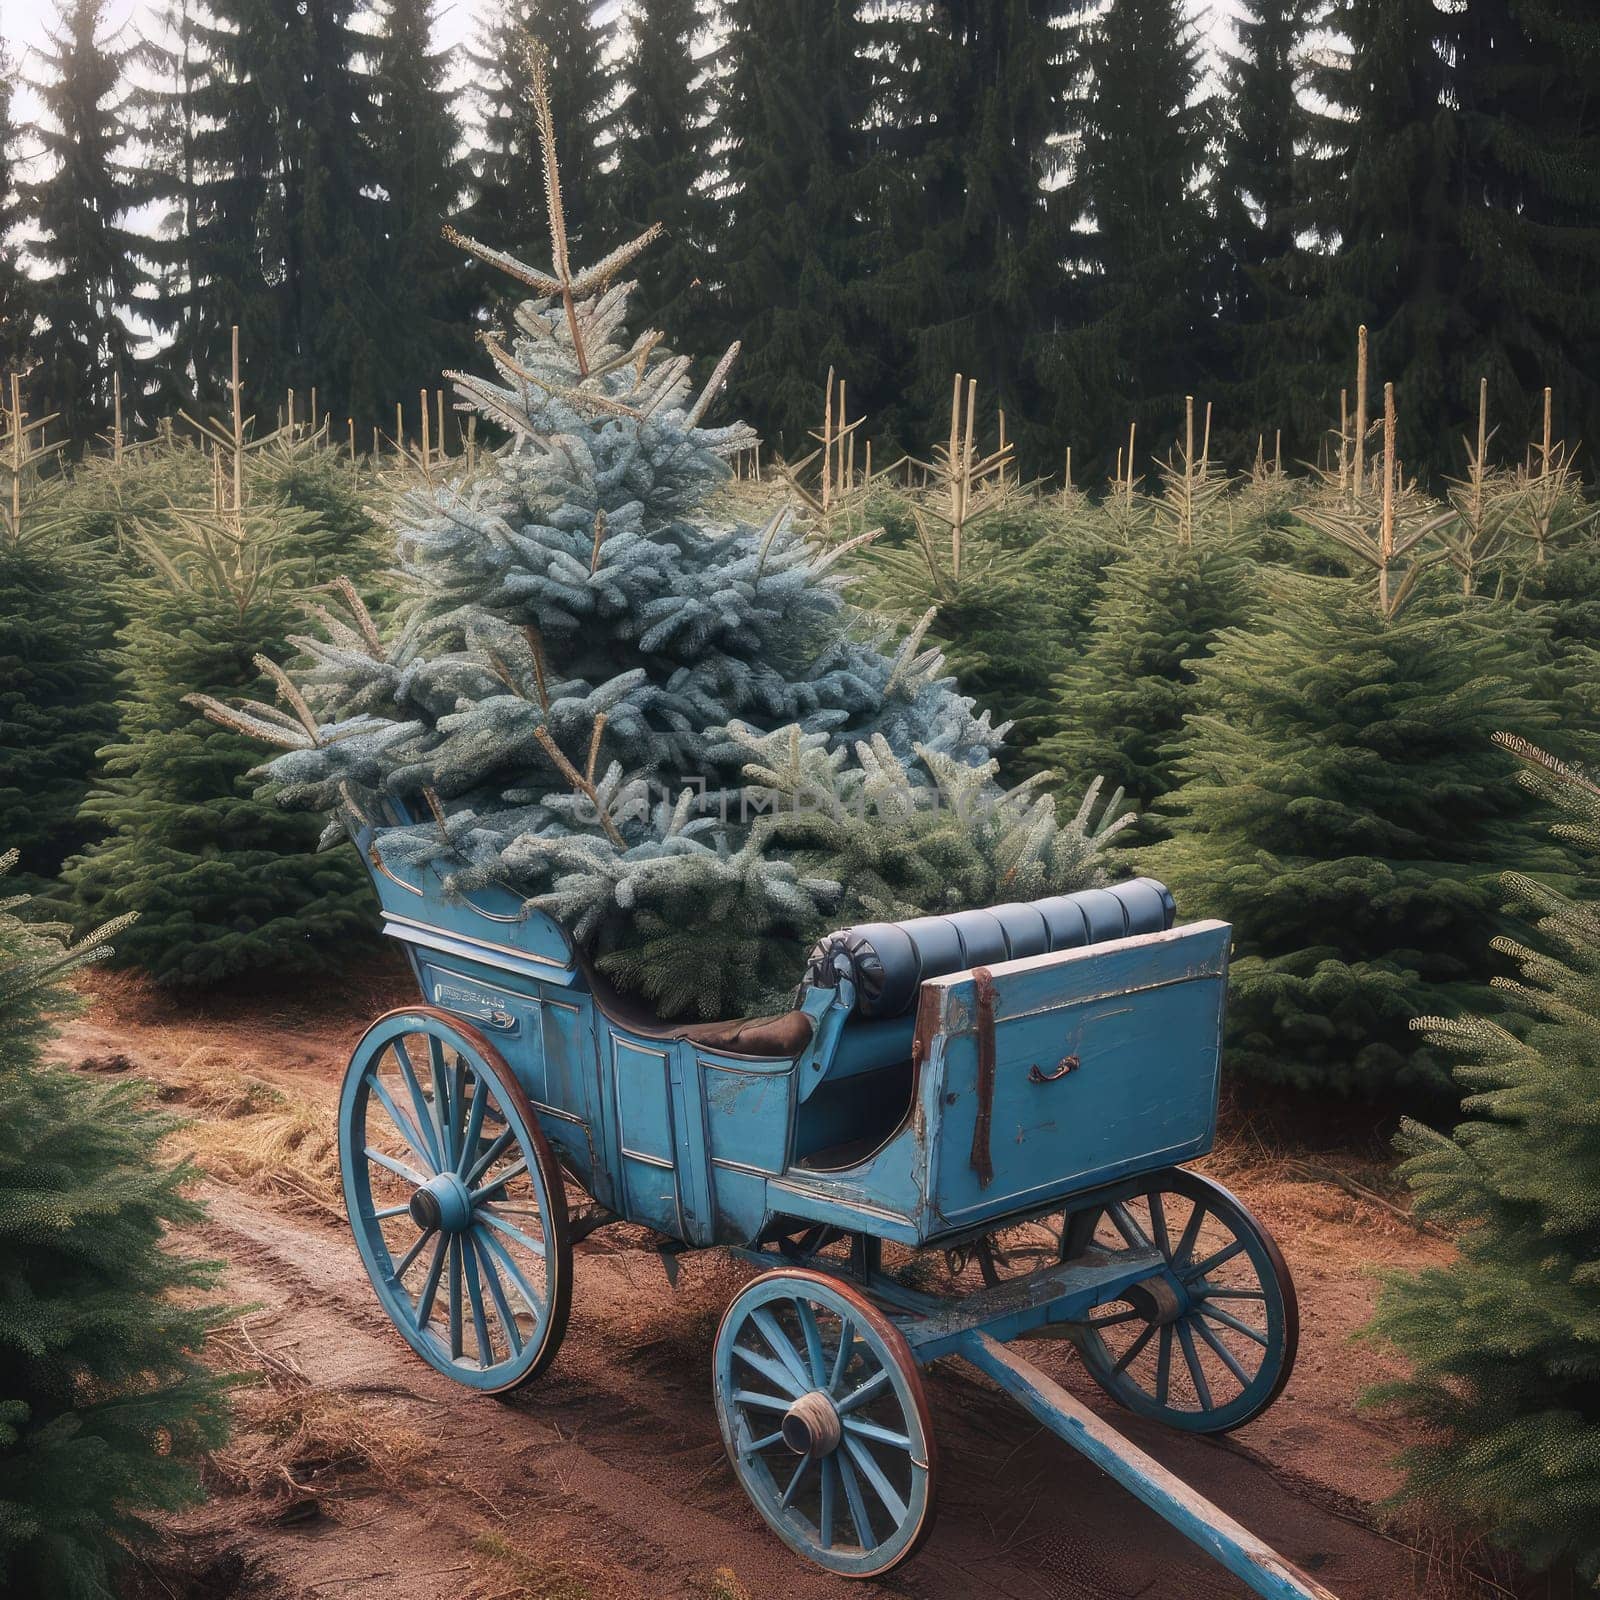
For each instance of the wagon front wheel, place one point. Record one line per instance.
(455, 1200)
(822, 1410)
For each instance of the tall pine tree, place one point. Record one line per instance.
(89, 260)
(1138, 313)
(16, 308)
(969, 116)
(423, 178)
(663, 141)
(573, 42)
(1259, 206)
(1457, 177)
(794, 245)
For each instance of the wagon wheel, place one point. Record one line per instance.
(823, 1414)
(1205, 1347)
(455, 1200)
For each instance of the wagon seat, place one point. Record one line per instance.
(887, 961)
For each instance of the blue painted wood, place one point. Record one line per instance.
(1230, 1543)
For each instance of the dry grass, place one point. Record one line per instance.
(512, 1571)
(255, 1134)
(294, 1445)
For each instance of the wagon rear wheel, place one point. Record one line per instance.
(455, 1200)
(822, 1410)
(1205, 1346)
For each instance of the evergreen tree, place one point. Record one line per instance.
(1456, 173)
(1342, 807)
(76, 209)
(1120, 706)
(1138, 313)
(1504, 1340)
(16, 309)
(586, 649)
(663, 161)
(225, 884)
(794, 244)
(570, 39)
(1260, 202)
(421, 285)
(57, 704)
(290, 220)
(105, 1408)
(969, 120)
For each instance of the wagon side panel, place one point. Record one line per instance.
(1063, 1071)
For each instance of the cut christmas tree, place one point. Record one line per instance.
(597, 694)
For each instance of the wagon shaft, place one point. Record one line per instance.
(1239, 1550)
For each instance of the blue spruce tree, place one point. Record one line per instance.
(668, 730)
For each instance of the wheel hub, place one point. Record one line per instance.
(811, 1425)
(1158, 1299)
(442, 1202)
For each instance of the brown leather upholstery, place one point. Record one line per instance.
(784, 1035)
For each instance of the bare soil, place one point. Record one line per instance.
(357, 1471)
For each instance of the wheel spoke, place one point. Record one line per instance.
(1191, 1358)
(418, 1098)
(774, 1372)
(458, 1106)
(530, 1296)
(391, 1211)
(764, 1402)
(841, 1359)
(871, 1430)
(873, 1473)
(863, 1393)
(1228, 1320)
(765, 1442)
(1131, 1354)
(1208, 1291)
(497, 1293)
(1164, 1365)
(1223, 1353)
(430, 1285)
(489, 1156)
(830, 1479)
(515, 1170)
(443, 1111)
(813, 1337)
(1158, 1223)
(480, 1322)
(399, 1168)
(455, 1297)
(526, 1240)
(469, 1137)
(1127, 1227)
(1212, 1262)
(857, 1502)
(794, 1482)
(1191, 1234)
(412, 1254)
(419, 1146)
(778, 1343)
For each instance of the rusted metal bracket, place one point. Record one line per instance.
(983, 982)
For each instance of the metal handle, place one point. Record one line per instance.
(1065, 1065)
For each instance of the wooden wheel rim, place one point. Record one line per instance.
(462, 1292)
(884, 1469)
(1277, 1327)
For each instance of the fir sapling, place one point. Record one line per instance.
(586, 662)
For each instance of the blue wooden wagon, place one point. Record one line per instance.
(966, 1132)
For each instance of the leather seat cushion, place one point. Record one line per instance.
(887, 961)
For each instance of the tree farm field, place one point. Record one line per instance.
(354, 1470)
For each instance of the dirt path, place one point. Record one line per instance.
(606, 1477)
